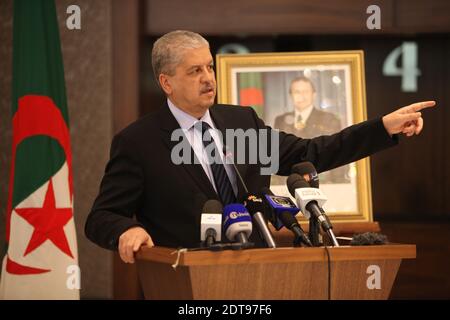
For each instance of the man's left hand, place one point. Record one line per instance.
(407, 120)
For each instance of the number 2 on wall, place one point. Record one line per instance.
(408, 69)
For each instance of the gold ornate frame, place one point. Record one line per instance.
(226, 63)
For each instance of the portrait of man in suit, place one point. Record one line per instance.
(308, 120)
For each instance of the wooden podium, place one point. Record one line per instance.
(282, 273)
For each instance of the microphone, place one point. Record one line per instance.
(292, 224)
(307, 170)
(227, 156)
(237, 224)
(211, 222)
(284, 211)
(368, 239)
(310, 200)
(255, 207)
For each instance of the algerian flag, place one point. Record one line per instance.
(41, 260)
(251, 91)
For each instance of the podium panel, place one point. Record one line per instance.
(366, 272)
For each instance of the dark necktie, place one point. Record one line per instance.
(299, 123)
(223, 184)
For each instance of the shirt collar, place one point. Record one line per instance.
(185, 120)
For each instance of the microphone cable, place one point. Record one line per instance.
(329, 273)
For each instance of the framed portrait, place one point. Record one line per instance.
(308, 94)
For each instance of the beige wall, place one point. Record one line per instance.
(88, 72)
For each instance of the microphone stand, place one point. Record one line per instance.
(314, 230)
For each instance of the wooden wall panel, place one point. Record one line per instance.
(408, 180)
(422, 16)
(125, 51)
(295, 16)
(263, 16)
(427, 276)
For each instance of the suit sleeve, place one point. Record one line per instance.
(330, 151)
(120, 192)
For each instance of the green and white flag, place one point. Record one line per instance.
(251, 91)
(41, 260)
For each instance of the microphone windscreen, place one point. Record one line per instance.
(269, 213)
(368, 239)
(212, 206)
(235, 213)
(296, 181)
(308, 172)
(254, 204)
(236, 220)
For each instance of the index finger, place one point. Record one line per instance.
(137, 244)
(421, 105)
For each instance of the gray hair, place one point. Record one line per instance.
(168, 50)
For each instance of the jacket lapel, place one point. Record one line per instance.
(168, 124)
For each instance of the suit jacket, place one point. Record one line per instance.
(318, 123)
(167, 199)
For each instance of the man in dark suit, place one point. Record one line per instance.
(142, 179)
(307, 121)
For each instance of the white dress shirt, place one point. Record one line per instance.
(186, 122)
(305, 113)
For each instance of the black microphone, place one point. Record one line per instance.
(292, 224)
(255, 207)
(211, 222)
(310, 199)
(284, 211)
(368, 239)
(307, 170)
